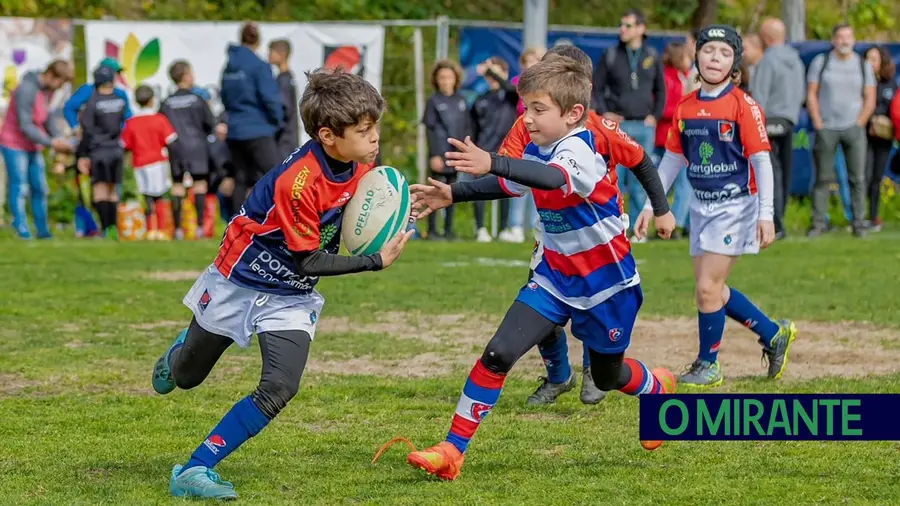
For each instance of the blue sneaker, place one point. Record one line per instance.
(200, 482)
(163, 382)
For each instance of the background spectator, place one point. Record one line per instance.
(881, 129)
(73, 106)
(692, 82)
(840, 99)
(779, 86)
(753, 51)
(629, 88)
(255, 113)
(446, 115)
(676, 65)
(493, 114)
(288, 137)
(28, 129)
(521, 206)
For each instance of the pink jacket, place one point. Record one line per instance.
(32, 136)
(520, 107)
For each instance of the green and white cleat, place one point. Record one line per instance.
(200, 482)
(702, 374)
(777, 353)
(163, 382)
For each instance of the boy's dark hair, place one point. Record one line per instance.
(840, 26)
(695, 33)
(500, 62)
(447, 64)
(336, 100)
(143, 95)
(563, 79)
(639, 18)
(178, 69)
(60, 69)
(250, 34)
(282, 46)
(573, 53)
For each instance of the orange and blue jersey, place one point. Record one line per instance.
(296, 207)
(717, 136)
(587, 256)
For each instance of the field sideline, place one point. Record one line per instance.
(84, 322)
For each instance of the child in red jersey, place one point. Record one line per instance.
(285, 237)
(719, 133)
(146, 135)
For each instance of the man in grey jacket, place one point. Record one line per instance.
(840, 100)
(779, 86)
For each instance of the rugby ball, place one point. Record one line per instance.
(377, 212)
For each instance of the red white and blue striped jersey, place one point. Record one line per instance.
(587, 256)
(296, 206)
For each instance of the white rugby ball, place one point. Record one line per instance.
(377, 212)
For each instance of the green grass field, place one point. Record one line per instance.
(84, 321)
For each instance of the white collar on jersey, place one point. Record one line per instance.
(145, 111)
(716, 91)
(549, 149)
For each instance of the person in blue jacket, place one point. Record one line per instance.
(255, 113)
(74, 104)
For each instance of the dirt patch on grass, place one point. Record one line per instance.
(173, 275)
(11, 384)
(157, 325)
(846, 349)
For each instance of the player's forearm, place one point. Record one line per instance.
(527, 172)
(320, 263)
(765, 181)
(650, 180)
(485, 188)
(669, 168)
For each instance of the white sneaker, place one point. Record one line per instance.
(635, 240)
(483, 235)
(517, 235)
(505, 235)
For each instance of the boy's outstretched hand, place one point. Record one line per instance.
(665, 224)
(469, 159)
(391, 251)
(428, 198)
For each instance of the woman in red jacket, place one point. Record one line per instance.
(676, 64)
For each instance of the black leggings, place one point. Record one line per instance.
(876, 163)
(523, 328)
(284, 355)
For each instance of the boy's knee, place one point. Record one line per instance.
(709, 292)
(497, 359)
(605, 378)
(273, 394)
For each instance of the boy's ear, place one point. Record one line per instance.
(326, 136)
(575, 114)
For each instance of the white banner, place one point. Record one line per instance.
(28, 44)
(146, 49)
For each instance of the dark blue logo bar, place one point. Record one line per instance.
(774, 417)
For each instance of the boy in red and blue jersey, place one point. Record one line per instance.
(263, 280)
(586, 276)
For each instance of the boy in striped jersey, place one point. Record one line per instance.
(586, 275)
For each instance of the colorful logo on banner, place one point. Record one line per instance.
(349, 58)
(139, 62)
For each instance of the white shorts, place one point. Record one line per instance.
(224, 308)
(154, 179)
(725, 228)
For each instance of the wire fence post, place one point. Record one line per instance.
(420, 103)
(442, 46)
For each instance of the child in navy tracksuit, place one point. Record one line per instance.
(446, 115)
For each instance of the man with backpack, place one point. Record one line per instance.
(840, 99)
(629, 88)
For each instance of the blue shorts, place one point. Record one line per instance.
(604, 328)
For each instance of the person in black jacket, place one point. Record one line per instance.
(446, 115)
(100, 151)
(629, 88)
(880, 131)
(493, 114)
(189, 155)
(287, 137)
